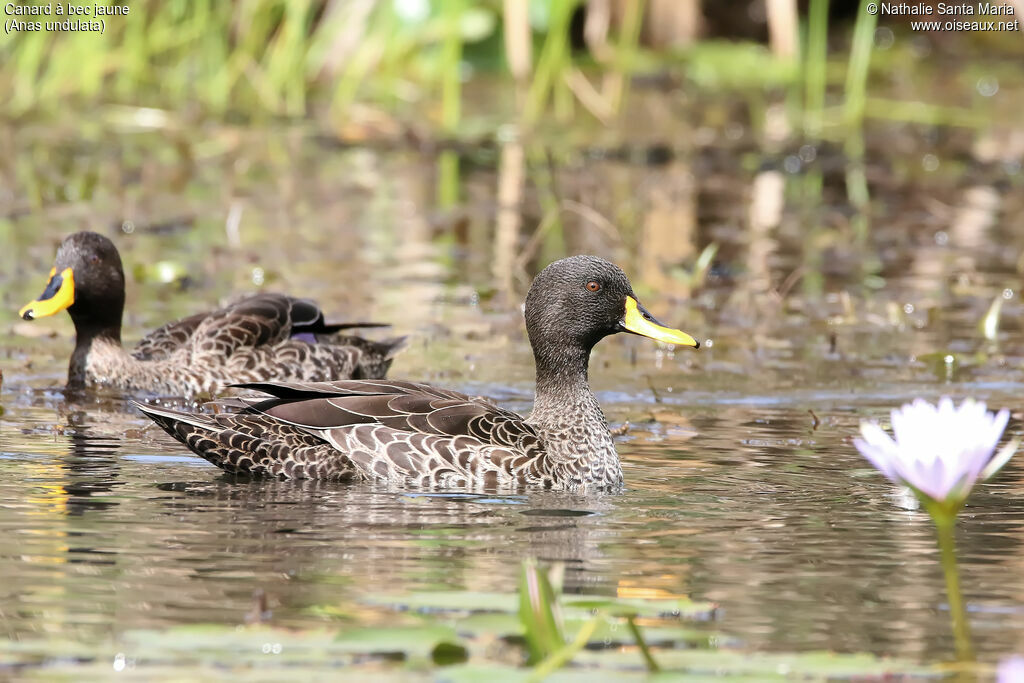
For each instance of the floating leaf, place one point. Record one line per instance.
(769, 665)
(448, 601)
(575, 606)
(410, 641)
(667, 608)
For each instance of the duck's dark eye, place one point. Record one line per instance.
(594, 286)
(93, 258)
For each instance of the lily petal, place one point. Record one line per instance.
(1000, 459)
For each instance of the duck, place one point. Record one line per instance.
(256, 337)
(414, 434)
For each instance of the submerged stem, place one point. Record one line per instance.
(649, 660)
(945, 526)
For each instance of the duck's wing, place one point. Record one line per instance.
(401, 405)
(247, 322)
(251, 322)
(373, 429)
(258, 320)
(165, 340)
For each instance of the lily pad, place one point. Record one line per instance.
(665, 608)
(448, 601)
(572, 604)
(763, 665)
(438, 642)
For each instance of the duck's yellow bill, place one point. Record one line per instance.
(58, 295)
(638, 321)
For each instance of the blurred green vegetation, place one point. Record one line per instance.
(253, 60)
(511, 72)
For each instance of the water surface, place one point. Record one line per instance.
(743, 487)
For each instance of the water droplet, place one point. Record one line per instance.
(709, 343)
(884, 38)
(791, 164)
(987, 86)
(930, 162)
(949, 359)
(941, 238)
(908, 308)
(808, 153)
(1007, 293)
(257, 276)
(119, 662)
(127, 227)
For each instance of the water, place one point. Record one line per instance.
(743, 487)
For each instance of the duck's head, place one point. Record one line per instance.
(577, 301)
(87, 279)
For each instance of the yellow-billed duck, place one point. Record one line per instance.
(259, 337)
(416, 434)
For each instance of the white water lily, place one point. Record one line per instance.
(941, 451)
(1011, 670)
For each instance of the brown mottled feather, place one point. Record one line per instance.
(250, 340)
(400, 431)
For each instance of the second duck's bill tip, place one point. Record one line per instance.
(58, 295)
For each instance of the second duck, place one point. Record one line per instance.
(259, 337)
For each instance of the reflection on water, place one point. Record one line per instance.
(743, 487)
(746, 505)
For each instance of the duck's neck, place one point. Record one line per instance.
(87, 333)
(569, 418)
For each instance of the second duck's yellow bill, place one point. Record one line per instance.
(638, 321)
(58, 295)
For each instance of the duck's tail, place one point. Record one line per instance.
(376, 357)
(169, 419)
(252, 444)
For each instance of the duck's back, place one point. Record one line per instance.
(260, 337)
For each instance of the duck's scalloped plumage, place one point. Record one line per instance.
(403, 432)
(251, 340)
(415, 434)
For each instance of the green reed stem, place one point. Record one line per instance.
(451, 101)
(815, 63)
(564, 655)
(649, 661)
(625, 53)
(553, 60)
(451, 56)
(853, 114)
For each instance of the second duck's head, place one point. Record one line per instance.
(87, 280)
(577, 301)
